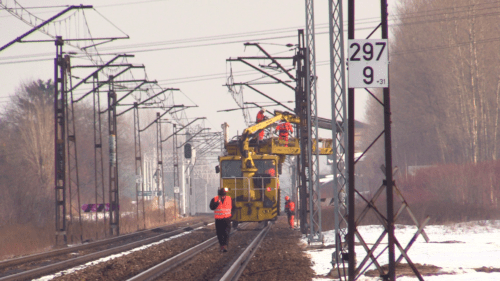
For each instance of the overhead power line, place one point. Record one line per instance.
(39, 7)
(131, 48)
(451, 9)
(174, 48)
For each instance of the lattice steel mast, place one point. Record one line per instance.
(60, 159)
(315, 234)
(339, 127)
(73, 176)
(379, 67)
(139, 181)
(114, 214)
(176, 169)
(98, 154)
(302, 133)
(159, 167)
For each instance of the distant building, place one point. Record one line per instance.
(359, 132)
(412, 170)
(327, 194)
(326, 182)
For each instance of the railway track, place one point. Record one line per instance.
(197, 248)
(237, 265)
(33, 266)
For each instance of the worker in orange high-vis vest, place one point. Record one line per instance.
(290, 211)
(222, 206)
(271, 172)
(260, 118)
(284, 128)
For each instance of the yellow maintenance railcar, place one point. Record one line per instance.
(250, 169)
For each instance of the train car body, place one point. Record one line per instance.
(256, 198)
(251, 167)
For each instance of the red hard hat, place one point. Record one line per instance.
(287, 198)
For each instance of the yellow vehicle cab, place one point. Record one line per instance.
(250, 168)
(256, 198)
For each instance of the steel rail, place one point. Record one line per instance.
(237, 268)
(34, 257)
(161, 268)
(37, 272)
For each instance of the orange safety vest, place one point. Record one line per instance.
(224, 209)
(271, 172)
(284, 128)
(260, 116)
(290, 205)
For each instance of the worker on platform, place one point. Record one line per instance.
(284, 128)
(290, 211)
(222, 206)
(260, 118)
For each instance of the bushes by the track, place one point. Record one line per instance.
(446, 193)
(452, 193)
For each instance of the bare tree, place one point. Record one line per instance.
(444, 82)
(29, 145)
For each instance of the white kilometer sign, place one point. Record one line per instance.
(368, 63)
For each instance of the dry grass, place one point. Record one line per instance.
(17, 240)
(25, 239)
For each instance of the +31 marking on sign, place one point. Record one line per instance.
(368, 63)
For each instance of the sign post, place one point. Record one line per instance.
(368, 63)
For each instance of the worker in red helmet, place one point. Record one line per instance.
(260, 118)
(222, 207)
(290, 211)
(284, 128)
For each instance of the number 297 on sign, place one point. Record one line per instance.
(368, 63)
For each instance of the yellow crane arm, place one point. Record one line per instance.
(250, 131)
(247, 162)
(278, 116)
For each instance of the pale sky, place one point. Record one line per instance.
(198, 67)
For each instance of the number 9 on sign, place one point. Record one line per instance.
(368, 63)
(368, 73)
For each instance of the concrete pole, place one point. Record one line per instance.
(183, 189)
(206, 195)
(192, 196)
(189, 190)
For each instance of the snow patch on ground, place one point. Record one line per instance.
(457, 248)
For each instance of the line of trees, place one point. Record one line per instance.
(445, 88)
(27, 155)
(445, 83)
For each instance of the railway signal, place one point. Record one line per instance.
(187, 151)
